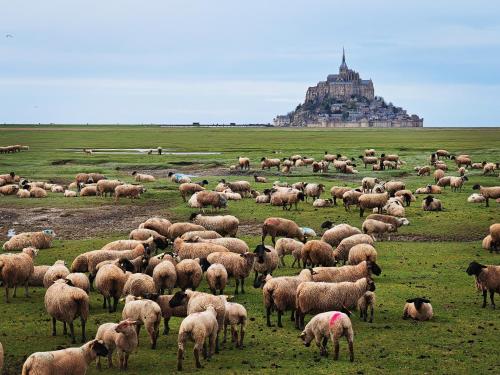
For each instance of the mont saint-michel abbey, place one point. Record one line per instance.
(345, 100)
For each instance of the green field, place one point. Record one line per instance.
(427, 258)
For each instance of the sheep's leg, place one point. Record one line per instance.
(72, 332)
(279, 319)
(166, 328)
(6, 293)
(492, 294)
(323, 351)
(242, 334)
(351, 348)
(268, 316)
(180, 356)
(91, 280)
(237, 281)
(83, 330)
(225, 333)
(205, 354)
(337, 347)
(65, 331)
(242, 286)
(104, 302)
(110, 359)
(292, 316)
(371, 314)
(15, 291)
(485, 293)
(234, 334)
(152, 335)
(294, 261)
(196, 352)
(125, 361)
(53, 326)
(217, 342)
(115, 303)
(213, 341)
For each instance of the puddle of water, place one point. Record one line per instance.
(133, 151)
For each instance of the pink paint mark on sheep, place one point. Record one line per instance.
(336, 316)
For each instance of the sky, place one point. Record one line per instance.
(163, 61)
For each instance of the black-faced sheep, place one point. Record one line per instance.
(487, 279)
(418, 309)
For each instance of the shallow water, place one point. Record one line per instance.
(133, 151)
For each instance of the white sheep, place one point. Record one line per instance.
(120, 336)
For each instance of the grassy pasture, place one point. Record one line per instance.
(427, 258)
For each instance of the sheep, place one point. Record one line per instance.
(372, 201)
(38, 240)
(226, 225)
(368, 160)
(456, 183)
(337, 192)
(188, 189)
(121, 245)
(473, 166)
(335, 235)
(350, 273)
(362, 252)
(390, 164)
(462, 160)
(392, 186)
(140, 177)
(65, 303)
(23, 193)
(288, 246)
(79, 280)
(165, 276)
(120, 336)
(487, 279)
(368, 183)
(189, 274)
(127, 190)
(375, 227)
(139, 284)
(488, 192)
(36, 278)
(88, 191)
(461, 171)
(157, 224)
(424, 171)
(341, 252)
(316, 253)
(438, 174)
(36, 192)
(431, 204)
(330, 158)
(179, 178)
(351, 198)
(279, 293)
(110, 281)
(495, 236)
(192, 250)
(234, 245)
(236, 265)
(264, 198)
(235, 314)
(442, 154)
(147, 313)
(166, 310)
(178, 229)
(209, 198)
(105, 187)
(366, 301)
(441, 165)
(407, 195)
(369, 152)
(244, 163)
(286, 198)
(313, 190)
(57, 271)
(259, 179)
(216, 278)
(196, 235)
(333, 296)
(154, 261)
(323, 203)
(333, 324)
(275, 226)
(268, 163)
(418, 309)
(69, 361)
(9, 178)
(198, 327)
(144, 234)
(16, 269)
(266, 260)
(70, 194)
(476, 198)
(9, 190)
(389, 219)
(391, 157)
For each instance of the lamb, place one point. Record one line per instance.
(165, 276)
(244, 163)
(473, 166)
(418, 309)
(333, 324)
(235, 315)
(127, 190)
(424, 171)
(350, 273)
(188, 189)
(65, 303)
(121, 336)
(217, 278)
(286, 198)
(368, 160)
(275, 226)
(487, 279)
(259, 179)
(268, 163)
(198, 327)
(438, 174)
(145, 312)
(489, 168)
(57, 271)
(351, 198)
(456, 183)
(316, 253)
(337, 192)
(313, 190)
(140, 177)
(38, 240)
(362, 252)
(16, 269)
(366, 301)
(288, 246)
(444, 181)
(319, 203)
(70, 361)
(210, 198)
(197, 235)
(333, 297)
(105, 187)
(440, 165)
(189, 274)
(461, 171)
(389, 164)
(79, 280)
(226, 225)
(192, 250)
(376, 228)
(279, 293)
(476, 198)
(341, 252)
(266, 260)
(157, 224)
(389, 219)
(178, 229)
(407, 195)
(431, 204)
(110, 281)
(36, 278)
(234, 245)
(372, 201)
(335, 235)
(236, 265)
(23, 193)
(36, 192)
(488, 192)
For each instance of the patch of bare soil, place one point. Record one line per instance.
(77, 223)
(436, 238)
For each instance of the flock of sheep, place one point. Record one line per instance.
(160, 256)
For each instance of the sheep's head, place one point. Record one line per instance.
(373, 267)
(476, 187)
(418, 302)
(161, 243)
(260, 251)
(428, 199)
(193, 216)
(125, 325)
(371, 284)
(327, 224)
(126, 265)
(345, 310)
(262, 159)
(151, 296)
(49, 232)
(12, 174)
(306, 338)
(98, 347)
(204, 263)
(301, 196)
(474, 268)
(260, 281)
(180, 298)
(134, 173)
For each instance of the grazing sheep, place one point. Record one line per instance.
(431, 204)
(188, 189)
(366, 301)
(157, 259)
(334, 296)
(350, 273)
(442, 182)
(110, 281)
(189, 274)
(121, 245)
(476, 198)
(193, 250)
(442, 154)
(130, 191)
(235, 315)
(268, 163)
(372, 201)
(389, 219)
(351, 198)
(38, 240)
(145, 312)
(79, 280)
(368, 183)
(323, 203)
(286, 198)
(456, 183)
(120, 336)
(236, 265)
(157, 224)
(318, 253)
(140, 177)
(276, 226)
(165, 276)
(216, 278)
(57, 271)
(487, 279)
(36, 278)
(313, 190)
(244, 163)
(462, 160)
(418, 309)
(105, 187)
(197, 235)
(362, 252)
(210, 198)
(266, 260)
(488, 192)
(341, 252)
(70, 361)
(226, 225)
(139, 284)
(424, 171)
(392, 186)
(144, 234)
(333, 324)
(438, 174)
(65, 303)
(241, 187)
(461, 171)
(376, 228)
(368, 160)
(288, 246)
(337, 192)
(259, 179)
(16, 269)
(335, 235)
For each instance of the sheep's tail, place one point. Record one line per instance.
(82, 302)
(218, 282)
(271, 300)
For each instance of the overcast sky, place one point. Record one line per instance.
(124, 61)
